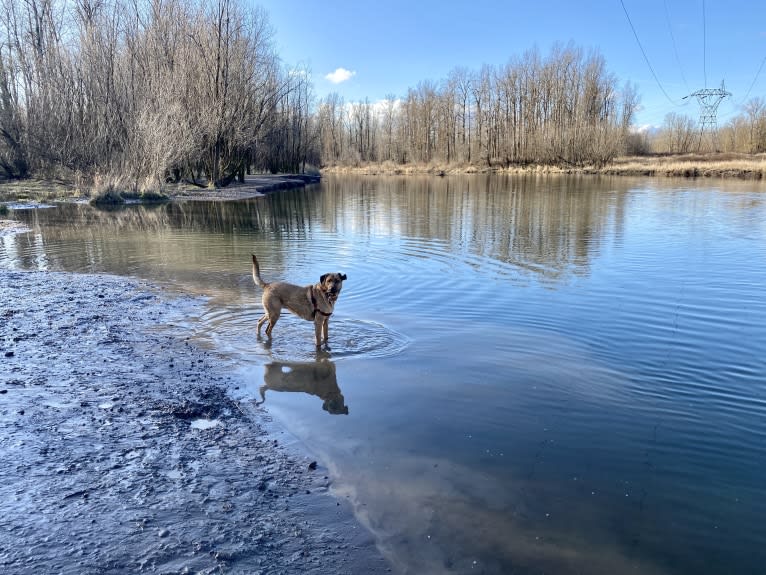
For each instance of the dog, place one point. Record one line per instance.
(312, 302)
(315, 378)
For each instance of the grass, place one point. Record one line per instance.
(111, 190)
(742, 166)
(36, 190)
(692, 165)
(102, 190)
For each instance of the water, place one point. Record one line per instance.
(527, 375)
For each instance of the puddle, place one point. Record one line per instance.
(205, 423)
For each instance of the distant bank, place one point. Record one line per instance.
(743, 166)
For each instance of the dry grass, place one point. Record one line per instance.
(36, 190)
(743, 166)
(692, 165)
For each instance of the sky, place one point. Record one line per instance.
(372, 50)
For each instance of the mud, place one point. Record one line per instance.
(254, 186)
(123, 452)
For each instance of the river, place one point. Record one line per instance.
(525, 374)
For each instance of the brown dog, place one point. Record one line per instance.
(313, 302)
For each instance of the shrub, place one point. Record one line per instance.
(107, 190)
(152, 191)
(153, 196)
(106, 196)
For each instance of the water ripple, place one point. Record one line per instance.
(232, 330)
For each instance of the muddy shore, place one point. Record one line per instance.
(254, 186)
(124, 453)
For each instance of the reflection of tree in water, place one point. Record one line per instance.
(287, 211)
(551, 225)
(314, 378)
(107, 233)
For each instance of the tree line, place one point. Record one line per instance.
(745, 133)
(564, 108)
(142, 92)
(145, 91)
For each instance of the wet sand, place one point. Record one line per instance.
(123, 452)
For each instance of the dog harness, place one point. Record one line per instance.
(316, 307)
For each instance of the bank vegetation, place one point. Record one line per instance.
(565, 108)
(130, 96)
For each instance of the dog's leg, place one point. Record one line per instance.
(262, 389)
(326, 329)
(261, 321)
(318, 330)
(273, 317)
(272, 308)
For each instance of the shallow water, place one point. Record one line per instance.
(525, 374)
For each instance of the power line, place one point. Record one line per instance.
(754, 80)
(675, 47)
(646, 58)
(704, 43)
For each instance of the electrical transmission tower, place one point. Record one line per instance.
(709, 99)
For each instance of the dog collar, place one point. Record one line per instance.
(316, 307)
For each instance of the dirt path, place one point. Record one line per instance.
(122, 452)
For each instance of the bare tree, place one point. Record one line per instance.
(755, 116)
(679, 133)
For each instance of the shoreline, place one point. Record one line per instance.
(125, 452)
(746, 167)
(688, 166)
(254, 186)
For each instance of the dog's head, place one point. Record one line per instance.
(332, 284)
(335, 405)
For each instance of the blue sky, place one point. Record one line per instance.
(391, 46)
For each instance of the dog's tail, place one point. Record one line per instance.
(257, 274)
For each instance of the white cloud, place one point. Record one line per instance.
(644, 128)
(340, 75)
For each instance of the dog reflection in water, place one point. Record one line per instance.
(315, 378)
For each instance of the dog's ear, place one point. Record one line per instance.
(322, 277)
(343, 277)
